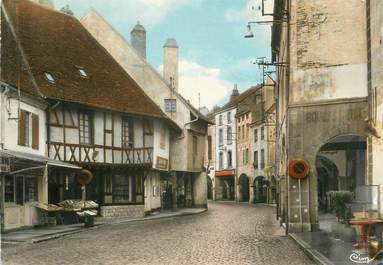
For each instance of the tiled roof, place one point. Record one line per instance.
(58, 44)
(241, 97)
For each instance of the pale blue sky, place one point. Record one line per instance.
(213, 52)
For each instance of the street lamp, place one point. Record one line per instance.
(249, 33)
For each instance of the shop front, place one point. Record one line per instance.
(25, 179)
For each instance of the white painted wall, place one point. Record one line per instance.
(15, 215)
(159, 151)
(225, 147)
(11, 126)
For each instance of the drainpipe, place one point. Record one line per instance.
(287, 114)
(4, 92)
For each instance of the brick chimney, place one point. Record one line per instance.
(171, 63)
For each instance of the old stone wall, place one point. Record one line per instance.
(122, 211)
(309, 128)
(328, 45)
(375, 143)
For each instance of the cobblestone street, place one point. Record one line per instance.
(227, 234)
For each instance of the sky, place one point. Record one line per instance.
(213, 53)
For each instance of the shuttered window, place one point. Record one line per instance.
(35, 131)
(28, 129)
(22, 128)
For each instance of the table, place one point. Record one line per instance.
(365, 230)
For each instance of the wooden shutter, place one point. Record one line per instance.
(22, 127)
(35, 131)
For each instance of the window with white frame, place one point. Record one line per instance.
(170, 105)
(229, 135)
(220, 136)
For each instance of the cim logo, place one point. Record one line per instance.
(363, 258)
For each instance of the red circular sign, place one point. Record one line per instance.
(84, 177)
(298, 169)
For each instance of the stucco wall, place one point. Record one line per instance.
(376, 95)
(10, 109)
(328, 45)
(306, 137)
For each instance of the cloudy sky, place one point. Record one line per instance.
(213, 53)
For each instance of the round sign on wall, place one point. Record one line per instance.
(84, 177)
(298, 169)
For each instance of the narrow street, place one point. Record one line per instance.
(227, 234)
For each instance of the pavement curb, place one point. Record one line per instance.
(153, 218)
(82, 229)
(310, 252)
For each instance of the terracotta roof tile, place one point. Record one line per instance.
(57, 43)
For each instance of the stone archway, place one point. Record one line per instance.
(209, 188)
(244, 189)
(313, 127)
(260, 190)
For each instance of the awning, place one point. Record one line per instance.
(22, 161)
(225, 173)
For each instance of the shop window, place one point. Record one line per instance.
(121, 189)
(19, 189)
(9, 193)
(31, 189)
(139, 185)
(108, 185)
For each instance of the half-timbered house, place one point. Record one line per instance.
(98, 118)
(186, 182)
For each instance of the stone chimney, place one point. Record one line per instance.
(235, 93)
(66, 10)
(171, 63)
(138, 39)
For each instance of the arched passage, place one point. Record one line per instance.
(340, 166)
(209, 188)
(260, 189)
(244, 188)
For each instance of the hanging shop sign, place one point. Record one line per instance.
(298, 169)
(84, 177)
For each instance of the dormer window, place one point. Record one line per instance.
(83, 74)
(49, 77)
